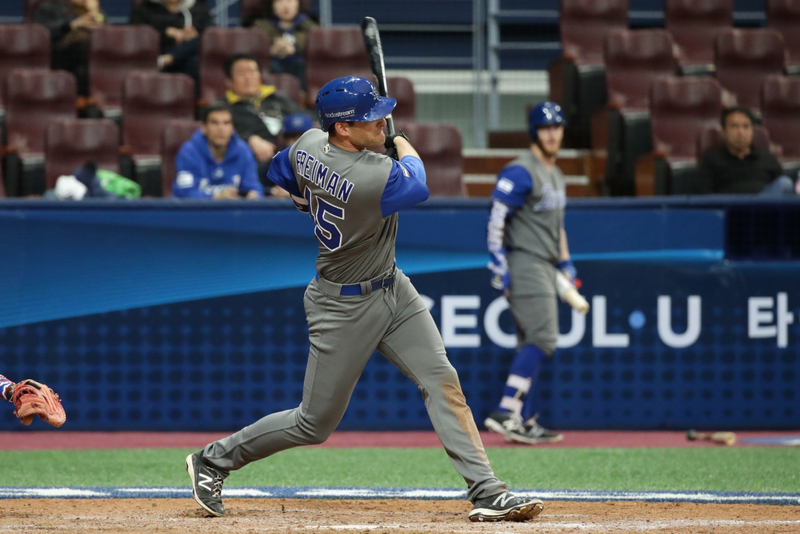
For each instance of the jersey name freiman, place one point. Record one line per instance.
(321, 176)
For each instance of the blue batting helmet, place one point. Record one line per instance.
(544, 114)
(297, 123)
(351, 99)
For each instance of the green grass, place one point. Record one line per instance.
(721, 469)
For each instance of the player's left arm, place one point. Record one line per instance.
(281, 174)
(566, 266)
(406, 185)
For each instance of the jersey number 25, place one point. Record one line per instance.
(326, 231)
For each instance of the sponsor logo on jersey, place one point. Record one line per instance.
(551, 200)
(326, 149)
(320, 175)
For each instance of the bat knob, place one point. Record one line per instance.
(691, 434)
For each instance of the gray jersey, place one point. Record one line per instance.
(535, 227)
(356, 242)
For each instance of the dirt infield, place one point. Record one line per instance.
(134, 516)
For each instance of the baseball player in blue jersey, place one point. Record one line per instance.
(6, 388)
(527, 244)
(359, 301)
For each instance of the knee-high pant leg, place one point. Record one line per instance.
(343, 333)
(414, 345)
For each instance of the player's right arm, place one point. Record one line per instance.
(189, 173)
(513, 185)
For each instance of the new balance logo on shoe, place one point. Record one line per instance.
(204, 481)
(503, 498)
(505, 507)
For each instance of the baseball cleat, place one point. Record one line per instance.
(206, 484)
(505, 507)
(513, 429)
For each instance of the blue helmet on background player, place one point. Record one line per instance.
(351, 99)
(544, 114)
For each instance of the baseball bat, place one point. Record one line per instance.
(723, 438)
(567, 293)
(372, 42)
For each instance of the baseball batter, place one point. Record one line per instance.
(359, 301)
(527, 243)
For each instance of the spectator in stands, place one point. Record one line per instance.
(70, 23)
(739, 167)
(215, 163)
(180, 23)
(288, 29)
(294, 126)
(258, 111)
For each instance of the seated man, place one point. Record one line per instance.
(215, 163)
(739, 167)
(258, 111)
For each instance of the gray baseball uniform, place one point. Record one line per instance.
(359, 302)
(532, 240)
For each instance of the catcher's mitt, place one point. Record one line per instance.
(32, 398)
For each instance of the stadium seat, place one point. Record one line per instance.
(402, 89)
(69, 143)
(744, 58)
(332, 53)
(680, 107)
(694, 25)
(176, 132)
(22, 46)
(780, 108)
(34, 98)
(577, 78)
(149, 102)
(286, 84)
(439, 146)
(115, 52)
(634, 59)
(216, 45)
(784, 16)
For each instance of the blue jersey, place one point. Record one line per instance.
(200, 175)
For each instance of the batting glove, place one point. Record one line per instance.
(568, 269)
(391, 150)
(501, 280)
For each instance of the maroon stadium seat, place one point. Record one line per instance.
(115, 52)
(69, 143)
(402, 89)
(577, 78)
(584, 25)
(784, 16)
(286, 84)
(22, 46)
(680, 107)
(216, 45)
(176, 132)
(150, 100)
(780, 107)
(34, 98)
(439, 146)
(634, 58)
(332, 53)
(744, 58)
(694, 25)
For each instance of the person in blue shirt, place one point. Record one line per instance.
(215, 163)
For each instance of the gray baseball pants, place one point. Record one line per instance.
(344, 331)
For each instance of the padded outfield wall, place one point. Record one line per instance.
(161, 315)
